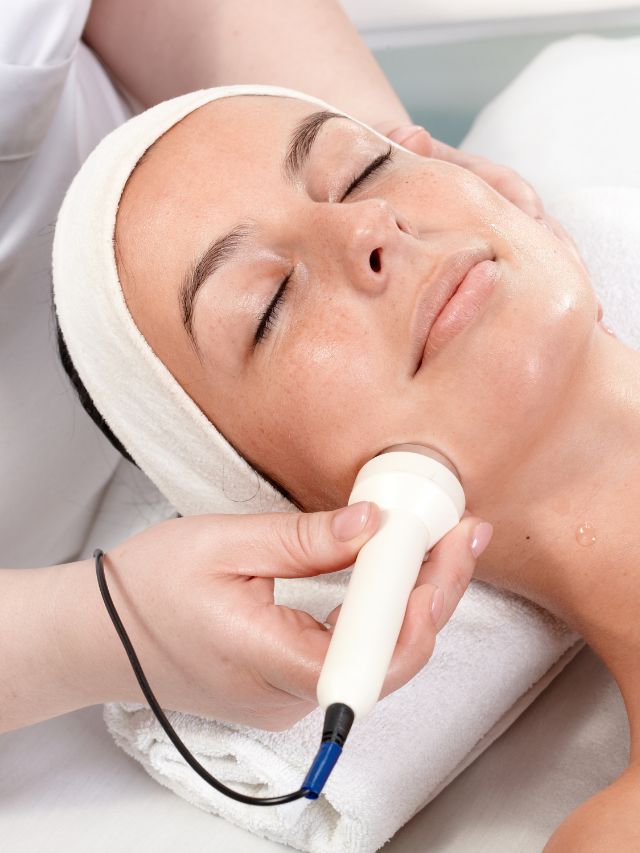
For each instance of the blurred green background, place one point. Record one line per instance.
(444, 85)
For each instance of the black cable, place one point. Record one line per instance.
(164, 722)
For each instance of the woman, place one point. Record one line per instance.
(289, 290)
(59, 100)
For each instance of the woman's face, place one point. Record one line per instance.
(291, 303)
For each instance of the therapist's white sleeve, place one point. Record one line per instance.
(38, 41)
(56, 103)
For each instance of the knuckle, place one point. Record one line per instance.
(409, 660)
(427, 646)
(512, 176)
(531, 196)
(286, 536)
(501, 184)
(296, 538)
(459, 578)
(306, 528)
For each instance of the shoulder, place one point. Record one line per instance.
(608, 821)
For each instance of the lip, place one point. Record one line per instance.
(437, 295)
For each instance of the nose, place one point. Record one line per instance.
(365, 237)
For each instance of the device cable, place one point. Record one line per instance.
(338, 720)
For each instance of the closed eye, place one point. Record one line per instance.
(268, 319)
(377, 164)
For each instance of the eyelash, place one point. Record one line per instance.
(268, 319)
(270, 316)
(380, 162)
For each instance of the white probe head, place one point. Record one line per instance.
(397, 478)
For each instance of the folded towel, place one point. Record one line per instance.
(492, 651)
(496, 648)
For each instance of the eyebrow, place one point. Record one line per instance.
(226, 248)
(220, 252)
(302, 139)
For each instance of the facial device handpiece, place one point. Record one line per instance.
(419, 493)
(421, 499)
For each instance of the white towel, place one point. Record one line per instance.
(494, 655)
(493, 650)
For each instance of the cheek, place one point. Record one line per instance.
(438, 196)
(508, 375)
(319, 409)
(330, 380)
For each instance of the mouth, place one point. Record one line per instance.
(432, 305)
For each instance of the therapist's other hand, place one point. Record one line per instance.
(196, 597)
(503, 179)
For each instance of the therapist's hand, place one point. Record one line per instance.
(196, 597)
(503, 179)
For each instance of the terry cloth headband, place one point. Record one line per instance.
(160, 426)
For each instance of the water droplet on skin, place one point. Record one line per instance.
(586, 534)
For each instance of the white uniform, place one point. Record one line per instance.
(56, 103)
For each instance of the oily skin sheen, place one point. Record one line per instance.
(535, 405)
(333, 384)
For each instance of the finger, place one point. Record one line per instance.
(502, 179)
(288, 649)
(298, 544)
(449, 568)
(293, 646)
(413, 138)
(416, 640)
(451, 563)
(514, 188)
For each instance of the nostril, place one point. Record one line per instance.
(374, 260)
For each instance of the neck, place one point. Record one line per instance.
(566, 520)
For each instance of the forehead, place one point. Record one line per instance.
(203, 169)
(221, 164)
(227, 139)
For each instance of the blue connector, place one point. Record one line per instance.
(320, 770)
(338, 720)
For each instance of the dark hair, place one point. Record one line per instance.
(83, 395)
(90, 408)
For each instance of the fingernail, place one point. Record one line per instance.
(347, 523)
(481, 537)
(437, 603)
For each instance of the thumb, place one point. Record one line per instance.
(295, 544)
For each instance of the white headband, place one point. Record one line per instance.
(157, 422)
